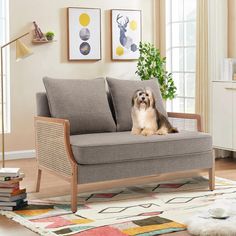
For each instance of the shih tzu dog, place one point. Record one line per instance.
(147, 120)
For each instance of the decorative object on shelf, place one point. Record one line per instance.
(22, 51)
(152, 65)
(40, 38)
(126, 34)
(84, 33)
(50, 35)
(38, 35)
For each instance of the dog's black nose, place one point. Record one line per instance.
(143, 98)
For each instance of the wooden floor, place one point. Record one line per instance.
(52, 186)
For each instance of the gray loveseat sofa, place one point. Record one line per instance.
(83, 134)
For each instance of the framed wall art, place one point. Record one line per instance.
(126, 34)
(84, 33)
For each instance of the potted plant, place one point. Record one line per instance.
(50, 35)
(152, 65)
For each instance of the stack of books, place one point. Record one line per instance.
(11, 196)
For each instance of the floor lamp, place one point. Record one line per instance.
(21, 52)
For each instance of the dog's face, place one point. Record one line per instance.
(143, 98)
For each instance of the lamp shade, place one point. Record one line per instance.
(22, 50)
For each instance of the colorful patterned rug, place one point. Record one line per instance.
(146, 210)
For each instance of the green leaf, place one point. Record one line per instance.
(151, 64)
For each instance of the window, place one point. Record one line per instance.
(181, 51)
(4, 37)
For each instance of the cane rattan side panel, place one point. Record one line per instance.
(51, 147)
(184, 124)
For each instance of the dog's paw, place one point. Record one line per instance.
(162, 132)
(136, 131)
(147, 132)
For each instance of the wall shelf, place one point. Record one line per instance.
(34, 41)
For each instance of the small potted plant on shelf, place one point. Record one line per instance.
(152, 65)
(50, 35)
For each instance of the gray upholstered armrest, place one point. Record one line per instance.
(53, 148)
(187, 116)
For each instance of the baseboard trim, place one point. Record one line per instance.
(24, 154)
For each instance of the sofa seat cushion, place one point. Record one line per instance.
(103, 148)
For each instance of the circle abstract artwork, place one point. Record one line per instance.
(84, 48)
(84, 19)
(84, 34)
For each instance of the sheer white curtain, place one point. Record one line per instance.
(4, 37)
(211, 49)
(218, 40)
(218, 47)
(202, 80)
(159, 25)
(218, 36)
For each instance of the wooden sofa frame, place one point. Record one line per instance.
(54, 134)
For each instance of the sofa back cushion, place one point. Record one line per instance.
(42, 104)
(83, 102)
(122, 92)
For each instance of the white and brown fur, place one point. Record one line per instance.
(147, 120)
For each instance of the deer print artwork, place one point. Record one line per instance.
(126, 34)
(125, 41)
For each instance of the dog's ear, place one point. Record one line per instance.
(134, 96)
(151, 98)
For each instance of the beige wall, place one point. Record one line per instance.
(232, 28)
(51, 59)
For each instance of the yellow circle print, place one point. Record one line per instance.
(133, 25)
(119, 51)
(84, 19)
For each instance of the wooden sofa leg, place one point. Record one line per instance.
(74, 189)
(212, 176)
(39, 174)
